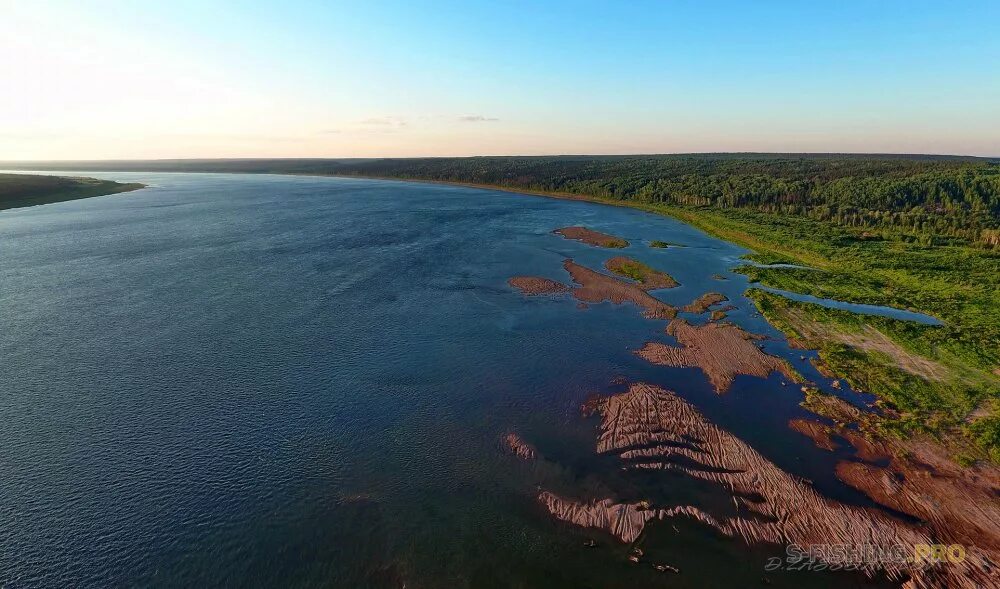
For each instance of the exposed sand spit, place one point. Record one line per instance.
(702, 303)
(592, 237)
(819, 433)
(651, 428)
(622, 520)
(721, 350)
(536, 285)
(596, 287)
(648, 278)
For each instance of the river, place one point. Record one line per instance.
(255, 380)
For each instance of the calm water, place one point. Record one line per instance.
(229, 380)
(891, 312)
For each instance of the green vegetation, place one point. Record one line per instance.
(635, 270)
(659, 244)
(953, 386)
(642, 273)
(24, 190)
(926, 373)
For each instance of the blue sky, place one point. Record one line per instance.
(297, 78)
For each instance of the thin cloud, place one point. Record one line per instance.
(384, 121)
(476, 119)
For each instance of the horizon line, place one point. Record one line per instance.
(608, 155)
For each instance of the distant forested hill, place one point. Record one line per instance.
(924, 197)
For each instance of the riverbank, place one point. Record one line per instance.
(27, 190)
(958, 284)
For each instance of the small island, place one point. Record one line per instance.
(647, 277)
(591, 237)
(26, 190)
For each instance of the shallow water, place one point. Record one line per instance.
(227, 380)
(880, 310)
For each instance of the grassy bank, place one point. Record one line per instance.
(933, 382)
(943, 380)
(25, 190)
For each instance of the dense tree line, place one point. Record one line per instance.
(921, 197)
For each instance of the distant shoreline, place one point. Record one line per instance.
(27, 190)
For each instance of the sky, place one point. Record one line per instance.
(199, 79)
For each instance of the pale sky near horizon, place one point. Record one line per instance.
(114, 79)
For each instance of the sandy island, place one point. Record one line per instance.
(596, 287)
(705, 302)
(722, 351)
(589, 236)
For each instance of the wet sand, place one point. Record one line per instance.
(519, 447)
(913, 476)
(722, 351)
(596, 287)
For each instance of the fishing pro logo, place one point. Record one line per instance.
(854, 557)
(938, 553)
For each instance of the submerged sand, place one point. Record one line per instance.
(536, 285)
(650, 428)
(519, 447)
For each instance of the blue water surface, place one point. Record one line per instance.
(253, 380)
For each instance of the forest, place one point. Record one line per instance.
(922, 198)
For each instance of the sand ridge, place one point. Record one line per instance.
(913, 476)
(519, 447)
(650, 428)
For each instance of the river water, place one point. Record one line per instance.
(251, 380)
